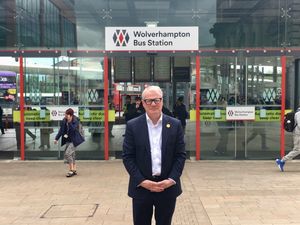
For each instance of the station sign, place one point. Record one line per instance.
(151, 38)
(240, 113)
(58, 112)
(31, 116)
(217, 115)
(96, 115)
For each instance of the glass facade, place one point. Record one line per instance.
(80, 24)
(56, 50)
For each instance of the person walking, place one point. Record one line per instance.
(69, 131)
(1, 123)
(296, 148)
(154, 156)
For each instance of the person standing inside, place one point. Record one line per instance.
(137, 107)
(69, 131)
(45, 133)
(45, 136)
(180, 112)
(296, 148)
(258, 129)
(154, 156)
(224, 128)
(1, 123)
(127, 108)
(111, 106)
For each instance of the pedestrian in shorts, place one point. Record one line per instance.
(71, 138)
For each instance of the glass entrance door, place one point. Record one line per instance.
(263, 91)
(175, 75)
(240, 81)
(217, 91)
(9, 72)
(51, 86)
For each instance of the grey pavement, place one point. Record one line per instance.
(214, 193)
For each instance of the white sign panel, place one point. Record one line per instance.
(151, 38)
(7, 111)
(58, 112)
(240, 113)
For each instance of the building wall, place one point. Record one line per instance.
(77, 81)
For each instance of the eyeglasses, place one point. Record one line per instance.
(155, 100)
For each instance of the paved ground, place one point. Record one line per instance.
(215, 193)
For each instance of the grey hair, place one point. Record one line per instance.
(152, 88)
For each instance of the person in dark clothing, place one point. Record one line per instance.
(69, 131)
(137, 108)
(111, 106)
(1, 123)
(154, 157)
(180, 112)
(127, 108)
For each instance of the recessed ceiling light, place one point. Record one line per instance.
(151, 23)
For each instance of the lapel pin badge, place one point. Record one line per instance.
(168, 125)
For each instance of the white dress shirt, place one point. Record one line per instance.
(155, 139)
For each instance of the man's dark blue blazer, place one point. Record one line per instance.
(137, 155)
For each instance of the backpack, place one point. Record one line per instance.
(289, 123)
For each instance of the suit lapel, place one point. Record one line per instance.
(145, 134)
(164, 135)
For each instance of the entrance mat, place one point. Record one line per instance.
(70, 211)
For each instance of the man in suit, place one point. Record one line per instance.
(154, 156)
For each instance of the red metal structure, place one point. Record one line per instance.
(198, 59)
(283, 87)
(22, 130)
